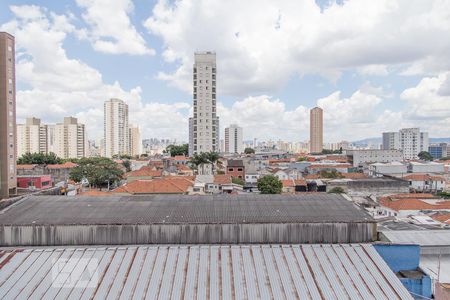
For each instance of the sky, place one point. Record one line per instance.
(373, 66)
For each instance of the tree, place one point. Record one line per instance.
(249, 150)
(99, 171)
(269, 184)
(39, 159)
(336, 190)
(445, 195)
(175, 150)
(121, 156)
(238, 181)
(204, 158)
(330, 174)
(425, 155)
(302, 158)
(127, 165)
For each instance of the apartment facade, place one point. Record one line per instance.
(233, 139)
(204, 124)
(32, 137)
(135, 140)
(70, 139)
(8, 178)
(316, 130)
(116, 128)
(391, 141)
(411, 141)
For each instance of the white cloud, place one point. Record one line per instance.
(111, 27)
(260, 44)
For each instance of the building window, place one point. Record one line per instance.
(230, 169)
(240, 169)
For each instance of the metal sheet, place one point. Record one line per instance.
(201, 272)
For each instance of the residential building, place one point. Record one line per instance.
(425, 182)
(116, 132)
(391, 141)
(34, 182)
(439, 150)
(233, 139)
(360, 158)
(58, 172)
(204, 125)
(70, 139)
(426, 167)
(32, 137)
(135, 141)
(235, 168)
(8, 151)
(316, 130)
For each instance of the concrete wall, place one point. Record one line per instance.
(52, 235)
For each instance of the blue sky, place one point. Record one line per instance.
(276, 60)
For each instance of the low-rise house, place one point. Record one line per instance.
(34, 182)
(425, 182)
(169, 185)
(144, 173)
(235, 168)
(393, 169)
(58, 172)
(291, 186)
(284, 174)
(251, 178)
(404, 207)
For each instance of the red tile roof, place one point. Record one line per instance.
(180, 157)
(413, 204)
(25, 167)
(222, 179)
(168, 185)
(145, 171)
(354, 175)
(423, 177)
(312, 176)
(95, 193)
(444, 218)
(329, 166)
(66, 165)
(288, 183)
(412, 195)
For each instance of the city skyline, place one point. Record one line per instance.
(376, 91)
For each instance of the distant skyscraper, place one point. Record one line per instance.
(135, 141)
(8, 179)
(391, 141)
(70, 139)
(204, 125)
(116, 133)
(233, 139)
(410, 140)
(32, 137)
(316, 130)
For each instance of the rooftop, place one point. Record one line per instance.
(182, 209)
(419, 237)
(200, 272)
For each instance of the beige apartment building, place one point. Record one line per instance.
(8, 178)
(116, 128)
(69, 139)
(135, 140)
(316, 130)
(32, 137)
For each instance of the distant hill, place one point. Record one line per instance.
(380, 140)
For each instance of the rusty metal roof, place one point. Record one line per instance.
(183, 209)
(203, 272)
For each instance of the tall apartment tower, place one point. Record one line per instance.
(316, 130)
(8, 179)
(233, 139)
(70, 139)
(116, 132)
(135, 141)
(32, 137)
(204, 125)
(391, 141)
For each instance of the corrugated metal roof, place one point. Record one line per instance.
(419, 237)
(203, 272)
(436, 266)
(183, 209)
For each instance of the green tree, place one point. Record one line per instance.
(175, 150)
(39, 159)
(302, 158)
(121, 156)
(249, 150)
(425, 155)
(238, 181)
(99, 171)
(127, 165)
(204, 158)
(330, 174)
(445, 195)
(336, 190)
(269, 184)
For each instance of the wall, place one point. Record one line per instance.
(46, 235)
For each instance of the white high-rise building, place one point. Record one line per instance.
(31, 137)
(116, 132)
(70, 139)
(410, 140)
(135, 141)
(204, 125)
(233, 139)
(391, 141)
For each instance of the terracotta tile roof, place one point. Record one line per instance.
(412, 195)
(354, 175)
(180, 157)
(300, 182)
(444, 218)
(279, 160)
(414, 204)
(222, 179)
(423, 177)
(183, 168)
(168, 185)
(329, 166)
(25, 167)
(145, 171)
(312, 176)
(95, 193)
(66, 165)
(288, 183)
